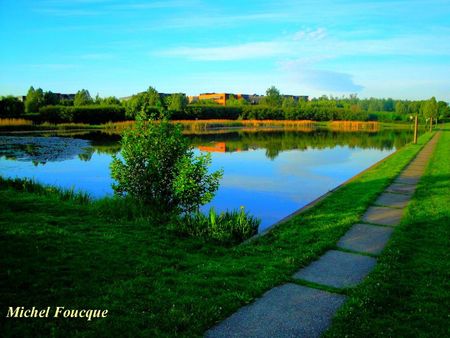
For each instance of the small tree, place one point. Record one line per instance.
(159, 168)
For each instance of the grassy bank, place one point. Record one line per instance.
(97, 255)
(408, 293)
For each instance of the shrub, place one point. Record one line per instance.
(159, 168)
(228, 227)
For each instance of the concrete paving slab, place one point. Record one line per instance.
(393, 200)
(338, 269)
(289, 310)
(407, 180)
(366, 238)
(383, 215)
(399, 188)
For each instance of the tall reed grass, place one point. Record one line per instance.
(351, 126)
(230, 227)
(9, 122)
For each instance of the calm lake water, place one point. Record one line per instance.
(270, 173)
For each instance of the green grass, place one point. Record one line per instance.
(408, 294)
(56, 252)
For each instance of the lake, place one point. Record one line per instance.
(272, 173)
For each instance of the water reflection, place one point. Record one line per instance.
(271, 173)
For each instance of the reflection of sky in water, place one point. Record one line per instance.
(273, 189)
(269, 189)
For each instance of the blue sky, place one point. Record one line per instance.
(398, 49)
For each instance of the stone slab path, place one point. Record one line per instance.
(289, 310)
(366, 238)
(293, 310)
(337, 269)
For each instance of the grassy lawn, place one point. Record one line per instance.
(408, 294)
(56, 252)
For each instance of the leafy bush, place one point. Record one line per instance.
(159, 168)
(228, 227)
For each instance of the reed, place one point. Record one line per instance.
(9, 122)
(352, 126)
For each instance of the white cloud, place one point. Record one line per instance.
(251, 50)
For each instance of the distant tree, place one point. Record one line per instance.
(11, 106)
(388, 105)
(232, 101)
(273, 97)
(430, 110)
(110, 100)
(34, 100)
(82, 98)
(176, 102)
(401, 108)
(443, 110)
(152, 97)
(288, 102)
(147, 103)
(50, 98)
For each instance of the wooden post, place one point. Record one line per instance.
(416, 126)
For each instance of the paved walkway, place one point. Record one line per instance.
(292, 310)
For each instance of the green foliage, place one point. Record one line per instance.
(34, 100)
(82, 114)
(429, 108)
(11, 106)
(208, 102)
(233, 102)
(82, 98)
(176, 102)
(229, 227)
(148, 103)
(107, 101)
(204, 112)
(289, 102)
(273, 97)
(159, 168)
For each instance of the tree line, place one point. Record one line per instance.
(273, 105)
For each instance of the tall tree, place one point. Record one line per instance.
(82, 98)
(430, 110)
(34, 100)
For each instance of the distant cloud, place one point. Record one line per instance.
(309, 34)
(252, 50)
(97, 56)
(303, 73)
(226, 53)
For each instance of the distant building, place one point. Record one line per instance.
(297, 97)
(161, 95)
(221, 98)
(65, 96)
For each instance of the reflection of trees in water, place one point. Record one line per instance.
(276, 141)
(40, 150)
